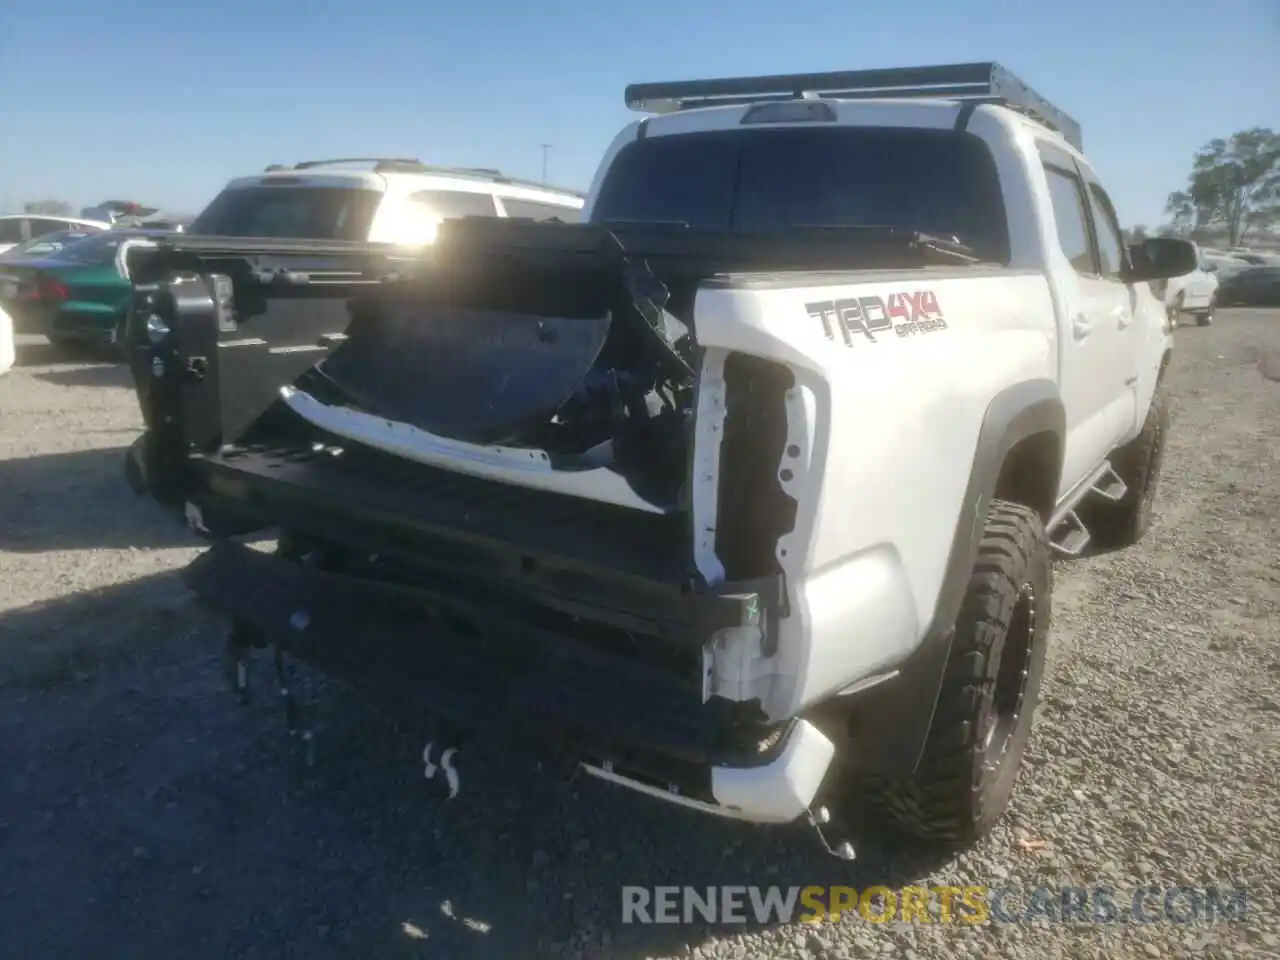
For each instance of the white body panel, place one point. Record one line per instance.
(7, 353)
(521, 467)
(891, 431)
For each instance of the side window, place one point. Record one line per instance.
(1069, 211)
(455, 203)
(1106, 226)
(11, 230)
(40, 227)
(533, 210)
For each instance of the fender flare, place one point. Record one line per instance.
(901, 711)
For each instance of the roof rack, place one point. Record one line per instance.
(409, 165)
(380, 164)
(968, 82)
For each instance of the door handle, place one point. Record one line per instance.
(1123, 316)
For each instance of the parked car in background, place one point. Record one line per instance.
(1193, 293)
(16, 228)
(157, 220)
(1225, 264)
(1252, 287)
(1248, 256)
(388, 201)
(119, 213)
(76, 294)
(47, 244)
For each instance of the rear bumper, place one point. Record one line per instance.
(441, 658)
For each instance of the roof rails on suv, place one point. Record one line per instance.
(410, 165)
(966, 82)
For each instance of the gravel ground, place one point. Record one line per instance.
(142, 813)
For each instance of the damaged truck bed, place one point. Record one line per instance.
(497, 509)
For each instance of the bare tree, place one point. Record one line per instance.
(1234, 186)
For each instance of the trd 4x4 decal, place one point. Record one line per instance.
(903, 313)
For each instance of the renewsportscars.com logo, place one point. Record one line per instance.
(938, 904)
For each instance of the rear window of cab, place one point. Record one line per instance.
(941, 182)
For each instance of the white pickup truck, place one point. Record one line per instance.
(741, 493)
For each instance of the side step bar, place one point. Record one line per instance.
(1067, 532)
(1109, 486)
(1069, 537)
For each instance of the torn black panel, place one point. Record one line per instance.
(650, 298)
(485, 356)
(474, 375)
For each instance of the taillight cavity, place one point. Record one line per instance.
(46, 289)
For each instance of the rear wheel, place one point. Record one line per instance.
(1173, 311)
(1114, 526)
(1205, 317)
(984, 712)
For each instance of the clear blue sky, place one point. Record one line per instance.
(161, 102)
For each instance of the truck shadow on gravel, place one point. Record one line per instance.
(103, 374)
(142, 803)
(78, 501)
(38, 352)
(70, 640)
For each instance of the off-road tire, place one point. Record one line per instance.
(989, 691)
(1116, 526)
(1205, 318)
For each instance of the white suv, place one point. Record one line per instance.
(1195, 293)
(393, 201)
(18, 228)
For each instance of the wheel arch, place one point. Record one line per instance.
(1018, 455)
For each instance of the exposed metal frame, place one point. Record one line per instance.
(984, 82)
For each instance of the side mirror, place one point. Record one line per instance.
(1162, 258)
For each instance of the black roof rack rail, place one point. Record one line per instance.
(968, 82)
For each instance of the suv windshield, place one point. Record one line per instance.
(316, 213)
(935, 181)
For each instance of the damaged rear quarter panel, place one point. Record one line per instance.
(888, 430)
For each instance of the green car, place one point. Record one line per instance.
(74, 294)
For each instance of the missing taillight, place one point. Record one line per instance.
(753, 510)
(45, 289)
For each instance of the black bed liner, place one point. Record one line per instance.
(611, 567)
(383, 490)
